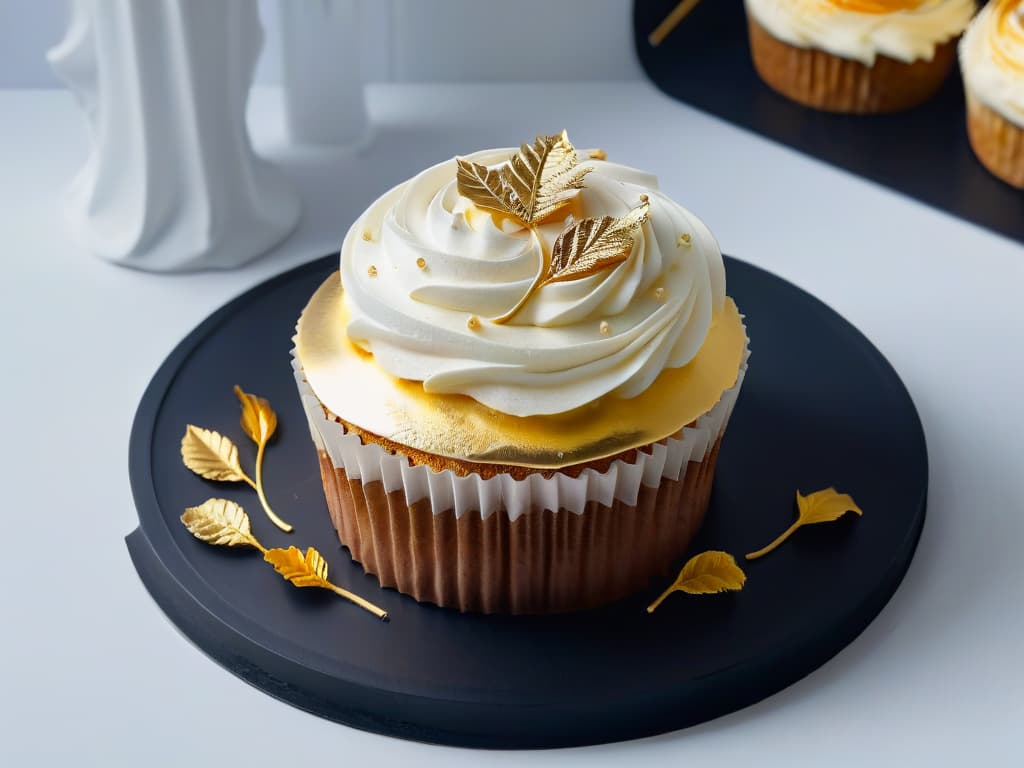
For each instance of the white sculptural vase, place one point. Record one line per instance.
(171, 183)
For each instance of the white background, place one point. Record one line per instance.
(92, 672)
(490, 46)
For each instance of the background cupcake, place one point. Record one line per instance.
(856, 55)
(992, 61)
(518, 395)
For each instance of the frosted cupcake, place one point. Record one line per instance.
(856, 55)
(992, 61)
(518, 383)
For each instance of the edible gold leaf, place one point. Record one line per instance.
(594, 244)
(220, 522)
(705, 574)
(535, 183)
(309, 570)
(258, 419)
(819, 507)
(211, 455)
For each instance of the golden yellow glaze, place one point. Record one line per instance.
(1007, 39)
(352, 386)
(877, 6)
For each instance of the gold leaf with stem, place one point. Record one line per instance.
(212, 455)
(259, 422)
(819, 507)
(310, 570)
(584, 249)
(705, 574)
(534, 184)
(223, 523)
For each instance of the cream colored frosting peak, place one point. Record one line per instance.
(906, 30)
(992, 58)
(424, 271)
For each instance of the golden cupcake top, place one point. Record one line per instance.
(906, 30)
(538, 307)
(992, 58)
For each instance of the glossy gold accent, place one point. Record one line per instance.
(877, 6)
(705, 574)
(684, 241)
(259, 422)
(350, 384)
(367, 235)
(212, 456)
(597, 154)
(818, 507)
(421, 263)
(473, 323)
(670, 22)
(310, 570)
(371, 270)
(223, 523)
(604, 328)
(659, 293)
(535, 183)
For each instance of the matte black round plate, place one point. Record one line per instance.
(820, 406)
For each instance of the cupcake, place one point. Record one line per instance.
(992, 62)
(856, 55)
(519, 380)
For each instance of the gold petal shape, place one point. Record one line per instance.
(819, 507)
(594, 244)
(705, 574)
(309, 570)
(220, 522)
(258, 419)
(211, 455)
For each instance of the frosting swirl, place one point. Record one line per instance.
(992, 58)
(906, 30)
(424, 270)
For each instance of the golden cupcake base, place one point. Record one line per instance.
(831, 83)
(998, 143)
(544, 561)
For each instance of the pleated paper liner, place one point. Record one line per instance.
(824, 81)
(500, 545)
(998, 143)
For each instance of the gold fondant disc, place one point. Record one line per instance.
(352, 386)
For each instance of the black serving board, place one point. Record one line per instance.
(820, 406)
(923, 153)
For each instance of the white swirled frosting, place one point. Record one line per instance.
(992, 58)
(907, 30)
(610, 333)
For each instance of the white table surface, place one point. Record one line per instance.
(92, 671)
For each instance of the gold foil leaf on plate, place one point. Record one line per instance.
(310, 570)
(591, 245)
(222, 523)
(819, 507)
(705, 574)
(212, 455)
(258, 419)
(534, 184)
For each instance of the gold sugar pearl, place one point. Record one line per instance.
(644, 198)
(473, 323)
(604, 328)
(659, 293)
(421, 263)
(598, 154)
(683, 241)
(371, 271)
(367, 235)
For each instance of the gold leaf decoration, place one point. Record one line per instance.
(310, 570)
(594, 244)
(819, 507)
(534, 184)
(705, 574)
(211, 455)
(258, 419)
(220, 522)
